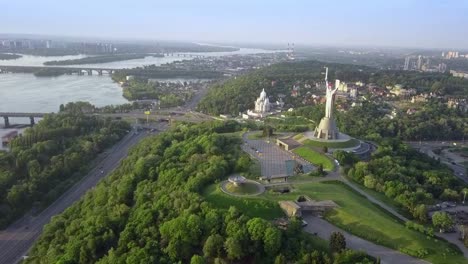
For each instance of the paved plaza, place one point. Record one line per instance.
(272, 158)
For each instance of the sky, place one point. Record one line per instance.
(390, 23)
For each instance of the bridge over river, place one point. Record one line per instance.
(186, 116)
(7, 115)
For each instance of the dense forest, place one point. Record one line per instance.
(433, 121)
(168, 96)
(238, 94)
(49, 157)
(150, 211)
(411, 179)
(440, 83)
(102, 59)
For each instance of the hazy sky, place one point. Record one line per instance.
(406, 23)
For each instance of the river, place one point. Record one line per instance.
(21, 92)
(28, 60)
(27, 93)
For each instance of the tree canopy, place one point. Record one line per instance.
(49, 157)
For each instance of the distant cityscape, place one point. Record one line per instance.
(38, 44)
(435, 63)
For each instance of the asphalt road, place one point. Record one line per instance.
(16, 240)
(427, 148)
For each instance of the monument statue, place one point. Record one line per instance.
(330, 97)
(327, 128)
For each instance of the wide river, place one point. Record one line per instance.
(27, 93)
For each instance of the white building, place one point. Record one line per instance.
(262, 106)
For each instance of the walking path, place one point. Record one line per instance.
(324, 229)
(319, 224)
(450, 237)
(260, 189)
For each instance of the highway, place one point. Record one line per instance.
(16, 240)
(427, 148)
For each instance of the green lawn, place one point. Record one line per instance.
(255, 135)
(381, 197)
(253, 207)
(314, 157)
(298, 137)
(345, 144)
(245, 188)
(237, 134)
(355, 214)
(250, 206)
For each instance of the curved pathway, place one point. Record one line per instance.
(324, 228)
(260, 188)
(450, 237)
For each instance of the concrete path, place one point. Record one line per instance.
(374, 200)
(274, 164)
(450, 237)
(260, 188)
(324, 229)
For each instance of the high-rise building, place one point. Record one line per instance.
(420, 62)
(407, 64)
(442, 67)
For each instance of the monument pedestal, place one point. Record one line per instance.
(326, 129)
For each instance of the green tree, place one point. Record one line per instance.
(213, 246)
(442, 221)
(420, 213)
(320, 169)
(438, 88)
(280, 259)
(267, 131)
(272, 241)
(196, 259)
(337, 242)
(234, 248)
(257, 228)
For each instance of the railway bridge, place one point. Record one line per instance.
(7, 115)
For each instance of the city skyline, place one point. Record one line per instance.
(422, 24)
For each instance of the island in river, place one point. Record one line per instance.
(8, 56)
(102, 59)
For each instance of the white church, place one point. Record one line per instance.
(263, 107)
